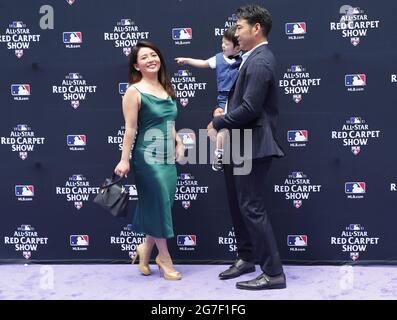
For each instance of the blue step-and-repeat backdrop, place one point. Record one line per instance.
(63, 71)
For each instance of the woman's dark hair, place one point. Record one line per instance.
(229, 34)
(136, 76)
(256, 14)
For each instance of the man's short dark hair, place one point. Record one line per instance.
(256, 14)
(229, 34)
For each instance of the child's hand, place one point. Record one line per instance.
(181, 60)
(218, 112)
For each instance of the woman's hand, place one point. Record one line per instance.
(122, 168)
(179, 152)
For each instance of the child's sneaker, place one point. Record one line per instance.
(217, 165)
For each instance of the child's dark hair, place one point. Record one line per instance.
(229, 34)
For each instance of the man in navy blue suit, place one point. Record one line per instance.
(252, 104)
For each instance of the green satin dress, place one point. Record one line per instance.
(154, 166)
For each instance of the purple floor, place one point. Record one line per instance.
(199, 282)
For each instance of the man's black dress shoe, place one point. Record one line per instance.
(263, 282)
(238, 268)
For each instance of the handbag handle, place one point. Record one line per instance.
(112, 183)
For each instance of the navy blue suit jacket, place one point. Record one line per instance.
(253, 104)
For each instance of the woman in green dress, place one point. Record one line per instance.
(149, 110)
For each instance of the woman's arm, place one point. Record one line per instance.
(130, 111)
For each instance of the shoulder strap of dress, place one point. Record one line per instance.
(136, 88)
(140, 96)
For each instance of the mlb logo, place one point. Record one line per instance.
(22, 127)
(233, 17)
(125, 22)
(129, 227)
(186, 240)
(352, 10)
(27, 254)
(183, 73)
(297, 204)
(297, 240)
(76, 140)
(182, 33)
(354, 255)
(355, 187)
(24, 191)
(354, 227)
(123, 86)
(77, 177)
(296, 68)
(297, 98)
(19, 53)
(356, 150)
(78, 205)
(131, 189)
(297, 135)
(75, 104)
(186, 204)
(70, 1)
(79, 240)
(184, 101)
(354, 120)
(25, 227)
(355, 41)
(17, 24)
(23, 155)
(74, 75)
(72, 37)
(293, 28)
(127, 51)
(355, 80)
(297, 174)
(188, 138)
(356, 10)
(185, 176)
(20, 89)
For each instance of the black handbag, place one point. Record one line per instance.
(113, 198)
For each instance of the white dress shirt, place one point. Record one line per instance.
(245, 56)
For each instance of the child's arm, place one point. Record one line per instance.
(198, 63)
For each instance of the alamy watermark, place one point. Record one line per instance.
(237, 148)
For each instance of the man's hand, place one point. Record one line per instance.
(211, 132)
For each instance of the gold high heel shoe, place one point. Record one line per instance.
(143, 268)
(169, 272)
